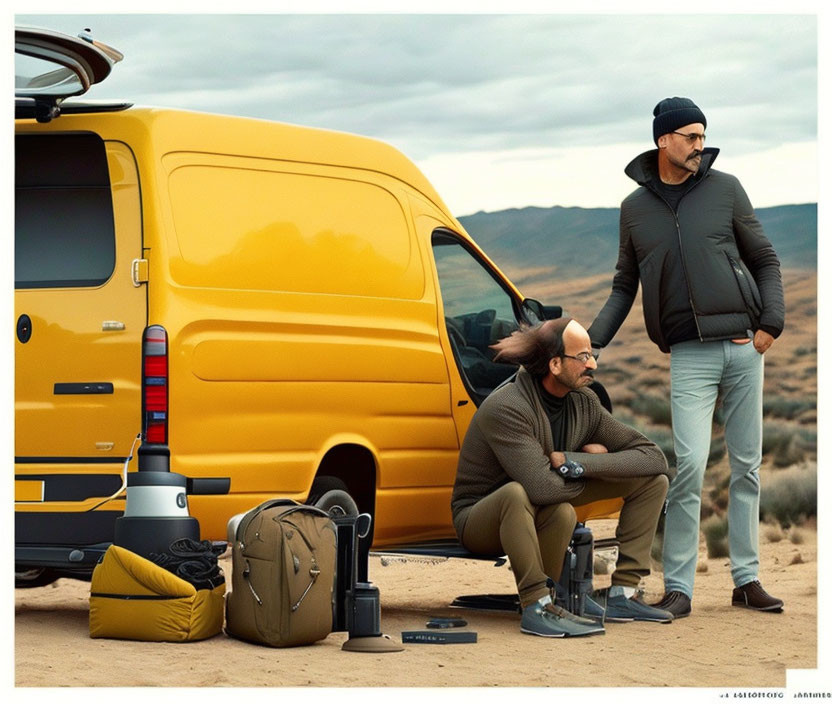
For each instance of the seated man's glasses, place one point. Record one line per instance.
(582, 357)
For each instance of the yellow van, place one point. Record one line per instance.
(292, 310)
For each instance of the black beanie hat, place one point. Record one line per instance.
(673, 113)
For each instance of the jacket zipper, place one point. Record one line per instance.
(681, 250)
(750, 304)
(685, 270)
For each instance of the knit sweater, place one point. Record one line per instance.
(510, 439)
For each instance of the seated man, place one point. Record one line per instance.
(511, 495)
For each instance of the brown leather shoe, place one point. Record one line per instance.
(676, 603)
(753, 596)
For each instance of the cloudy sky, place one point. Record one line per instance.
(499, 111)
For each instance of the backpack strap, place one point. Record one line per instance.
(269, 503)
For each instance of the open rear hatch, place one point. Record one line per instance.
(50, 67)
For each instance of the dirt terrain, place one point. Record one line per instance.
(718, 646)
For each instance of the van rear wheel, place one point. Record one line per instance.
(29, 577)
(332, 495)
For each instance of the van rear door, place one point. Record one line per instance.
(79, 318)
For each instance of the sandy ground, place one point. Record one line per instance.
(718, 646)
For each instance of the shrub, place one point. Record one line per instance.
(625, 417)
(788, 444)
(779, 407)
(663, 437)
(611, 370)
(775, 433)
(717, 451)
(773, 533)
(808, 438)
(652, 381)
(791, 495)
(796, 536)
(656, 408)
(789, 452)
(804, 351)
(715, 529)
(715, 491)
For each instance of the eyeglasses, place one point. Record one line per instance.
(692, 137)
(582, 357)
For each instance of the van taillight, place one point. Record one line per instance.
(155, 385)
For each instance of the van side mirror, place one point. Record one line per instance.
(535, 312)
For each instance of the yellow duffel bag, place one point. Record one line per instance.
(133, 598)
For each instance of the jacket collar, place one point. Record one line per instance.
(643, 168)
(531, 389)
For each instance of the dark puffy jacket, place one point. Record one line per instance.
(729, 268)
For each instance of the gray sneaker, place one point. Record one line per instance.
(552, 621)
(620, 608)
(593, 610)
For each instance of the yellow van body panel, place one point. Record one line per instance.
(292, 270)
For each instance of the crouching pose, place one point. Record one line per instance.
(540, 445)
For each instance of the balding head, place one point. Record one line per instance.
(575, 338)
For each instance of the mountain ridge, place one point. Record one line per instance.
(533, 242)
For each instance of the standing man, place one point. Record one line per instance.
(712, 297)
(540, 445)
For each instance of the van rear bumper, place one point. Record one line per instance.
(44, 528)
(62, 557)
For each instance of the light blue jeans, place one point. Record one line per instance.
(699, 371)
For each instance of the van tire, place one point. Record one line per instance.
(332, 495)
(30, 577)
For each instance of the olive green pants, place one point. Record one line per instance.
(535, 538)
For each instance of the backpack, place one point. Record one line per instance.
(283, 574)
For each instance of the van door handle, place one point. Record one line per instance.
(87, 387)
(24, 328)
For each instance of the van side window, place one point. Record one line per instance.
(63, 225)
(478, 312)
